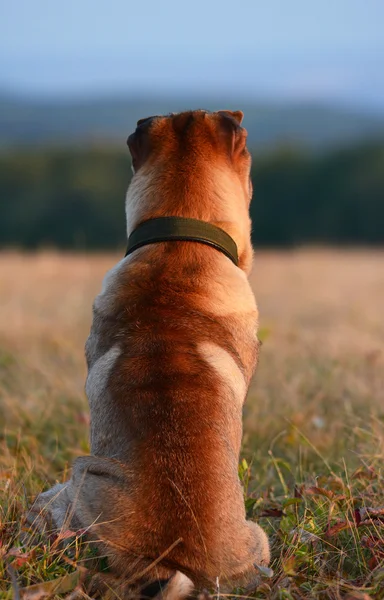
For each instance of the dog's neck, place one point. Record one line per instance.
(222, 204)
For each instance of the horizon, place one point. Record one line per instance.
(232, 101)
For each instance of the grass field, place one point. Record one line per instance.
(313, 453)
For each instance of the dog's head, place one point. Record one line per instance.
(217, 135)
(192, 164)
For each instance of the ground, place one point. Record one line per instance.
(312, 460)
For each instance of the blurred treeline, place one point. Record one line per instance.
(73, 198)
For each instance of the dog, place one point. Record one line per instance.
(171, 352)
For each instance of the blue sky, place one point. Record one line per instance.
(329, 50)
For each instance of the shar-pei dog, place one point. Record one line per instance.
(170, 355)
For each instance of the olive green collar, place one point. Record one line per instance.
(181, 229)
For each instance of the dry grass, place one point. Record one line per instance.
(314, 420)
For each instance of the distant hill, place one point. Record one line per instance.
(39, 122)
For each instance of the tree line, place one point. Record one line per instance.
(73, 198)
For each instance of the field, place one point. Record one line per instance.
(312, 462)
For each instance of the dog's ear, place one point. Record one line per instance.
(139, 143)
(231, 132)
(142, 121)
(237, 115)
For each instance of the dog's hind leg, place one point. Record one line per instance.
(98, 500)
(65, 505)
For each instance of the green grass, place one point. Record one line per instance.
(312, 462)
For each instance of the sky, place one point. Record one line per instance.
(329, 50)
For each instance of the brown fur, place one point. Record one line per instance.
(166, 423)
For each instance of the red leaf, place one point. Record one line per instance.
(317, 491)
(335, 529)
(20, 558)
(365, 513)
(363, 473)
(357, 515)
(374, 543)
(64, 535)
